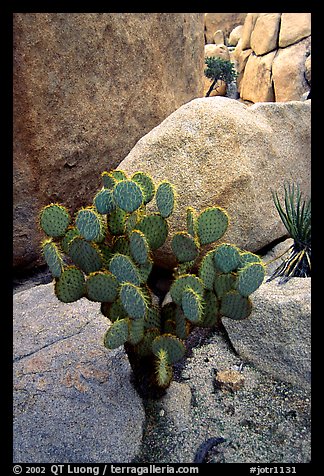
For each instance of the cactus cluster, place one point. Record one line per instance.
(105, 254)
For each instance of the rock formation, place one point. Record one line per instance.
(87, 86)
(271, 57)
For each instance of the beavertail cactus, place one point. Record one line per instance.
(106, 254)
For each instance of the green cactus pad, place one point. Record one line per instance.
(250, 278)
(115, 310)
(71, 233)
(131, 221)
(211, 315)
(191, 220)
(117, 222)
(163, 369)
(152, 318)
(70, 285)
(53, 257)
(171, 344)
(155, 228)
(90, 224)
(124, 269)
(102, 286)
(192, 305)
(108, 180)
(224, 283)
(226, 257)
(165, 198)
(185, 281)
(144, 348)
(85, 255)
(211, 225)
(128, 195)
(104, 201)
(133, 300)
(139, 247)
(117, 334)
(54, 220)
(144, 271)
(121, 245)
(184, 268)
(135, 331)
(119, 175)
(184, 247)
(207, 272)
(235, 306)
(106, 254)
(147, 185)
(181, 324)
(248, 257)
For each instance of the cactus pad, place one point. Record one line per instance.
(108, 180)
(102, 287)
(128, 195)
(54, 220)
(185, 281)
(165, 198)
(224, 283)
(211, 225)
(210, 316)
(191, 220)
(135, 331)
(147, 185)
(53, 257)
(152, 318)
(144, 270)
(71, 233)
(163, 369)
(226, 257)
(117, 222)
(155, 228)
(124, 269)
(192, 305)
(139, 247)
(117, 334)
(85, 255)
(144, 347)
(90, 224)
(250, 278)
(184, 247)
(235, 306)
(248, 257)
(171, 344)
(114, 311)
(133, 300)
(104, 201)
(207, 272)
(70, 285)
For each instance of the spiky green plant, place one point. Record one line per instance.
(105, 253)
(219, 69)
(296, 217)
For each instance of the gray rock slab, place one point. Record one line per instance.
(73, 399)
(277, 335)
(266, 421)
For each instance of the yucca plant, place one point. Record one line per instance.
(296, 216)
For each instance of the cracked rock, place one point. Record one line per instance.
(68, 388)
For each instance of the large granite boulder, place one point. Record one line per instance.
(86, 87)
(73, 401)
(277, 336)
(218, 151)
